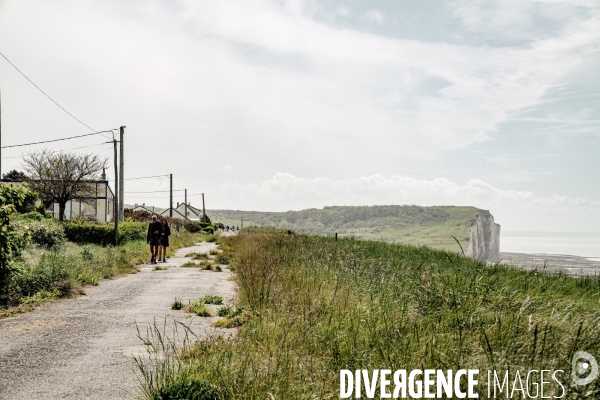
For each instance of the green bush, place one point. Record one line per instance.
(46, 233)
(30, 216)
(22, 198)
(79, 231)
(191, 226)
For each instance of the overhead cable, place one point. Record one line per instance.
(55, 140)
(44, 93)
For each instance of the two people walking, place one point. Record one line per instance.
(158, 239)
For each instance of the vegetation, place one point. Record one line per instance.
(199, 308)
(86, 231)
(318, 305)
(177, 304)
(430, 226)
(61, 177)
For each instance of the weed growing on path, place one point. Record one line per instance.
(208, 299)
(199, 308)
(190, 264)
(177, 304)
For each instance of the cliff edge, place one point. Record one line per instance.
(484, 238)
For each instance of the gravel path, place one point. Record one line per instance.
(83, 348)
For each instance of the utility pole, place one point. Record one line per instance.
(171, 195)
(116, 197)
(242, 221)
(185, 202)
(203, 210)
(122, 178)
(0, 134)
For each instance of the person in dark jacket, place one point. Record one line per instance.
(155, 231)
(164, 240)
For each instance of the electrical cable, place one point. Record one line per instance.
(60, 151)
(158, 191)
(55, 140)
(44, 93)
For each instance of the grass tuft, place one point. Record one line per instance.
(177, 304)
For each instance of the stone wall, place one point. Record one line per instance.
(484, 238)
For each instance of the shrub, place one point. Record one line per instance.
(191, 226)
(44, 232)
(30, 216)
(22, 198)
(81, 231)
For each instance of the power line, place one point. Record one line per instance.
(144, 177)
(55, 140)
(158, 191)
(59, 151)
(44, 93)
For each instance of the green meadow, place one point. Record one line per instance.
(314, 306)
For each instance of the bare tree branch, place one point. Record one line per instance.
(60, 177)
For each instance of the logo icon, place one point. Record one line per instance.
(584, 372)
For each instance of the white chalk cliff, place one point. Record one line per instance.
(484, 238)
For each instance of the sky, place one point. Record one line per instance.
(286, 105)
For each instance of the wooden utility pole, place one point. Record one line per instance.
(242, 221)
(203, 209)
(0, 134)
(171, 195)
(116, 197)
(122, 178)
(185, 202)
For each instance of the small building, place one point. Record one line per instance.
(192, 213)
(100, 207)
(176, 214)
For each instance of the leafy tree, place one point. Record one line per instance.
(15, 175)
(60, 177)
(20, 197)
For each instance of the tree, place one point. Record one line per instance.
(15, 175)
(60, 177)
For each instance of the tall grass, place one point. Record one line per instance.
(322, 305)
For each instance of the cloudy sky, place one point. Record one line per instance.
(278, 105)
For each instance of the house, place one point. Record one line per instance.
(192, 213)
(100, 207)
(176, 214)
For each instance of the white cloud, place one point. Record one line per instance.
(514, 210)
(374, 16)
(226, 168)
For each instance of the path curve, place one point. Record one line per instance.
(83, 348)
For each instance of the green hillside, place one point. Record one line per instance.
(431, 226)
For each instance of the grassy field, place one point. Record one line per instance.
(320, 305)
(428, 226)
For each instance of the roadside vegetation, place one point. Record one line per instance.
(310, 306)
(42, 259)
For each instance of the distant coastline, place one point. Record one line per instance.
(582, 244)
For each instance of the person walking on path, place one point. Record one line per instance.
(155, 230)
(164, 240)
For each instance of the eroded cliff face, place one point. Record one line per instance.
(484, 238)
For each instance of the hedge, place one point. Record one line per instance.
(104, 234)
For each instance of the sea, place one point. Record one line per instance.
(580, 244)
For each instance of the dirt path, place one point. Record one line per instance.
(82, 348)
